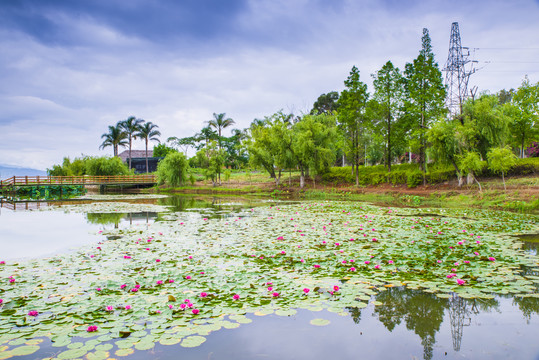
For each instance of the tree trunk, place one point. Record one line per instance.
(470, 178)
(278, 178)
(289, 177)
(130, 153)
(459, 175)
(503, 179)
(301, 178)
(357, 173)
(389, 143)
(147, 170)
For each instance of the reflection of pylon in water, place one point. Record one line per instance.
(458, 313)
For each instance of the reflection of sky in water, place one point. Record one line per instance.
(31, 234)
(411, 324)
(500, 333)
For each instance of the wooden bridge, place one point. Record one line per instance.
(18, 181)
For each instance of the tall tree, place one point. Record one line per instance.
(130, 126)
(352, 117)
(148, 131)
(388, 91)
(326, 103)
(183, 143)
(425, 93)
(219, 122)
(115, 137)
(206, 134)
(525, 122)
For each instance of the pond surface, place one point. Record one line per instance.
(221, 247)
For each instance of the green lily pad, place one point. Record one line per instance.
(320, 322)
(193, 341)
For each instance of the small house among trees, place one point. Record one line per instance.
(138, 160)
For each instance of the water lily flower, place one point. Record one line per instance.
(280, 238)
(158, 311)
(337, 244)
(316, 266)
(344, 261)
(137, 286)
(1, 301)
(171, 281)
(478, 242)
(92, 328)
(367, 262)
(476, 253)
(390, 261)
(182, 306)
(127, 307)
(109, 308)
(336, 288)
(190, 305)
(134, 289)
(270, 288)
(351, 260)
(460, 243)
(190, 257)
(195, 311)
(170, 306)
(157, 260)
(377, 267)
(203, 294)
(33, 313)
(159, 282)
(302, 260)
(283, 252)
(374, 239)
(127, 257)
(454, 270)
(456, 264)
(205, 219)
(202, 273)
(149, 240)
(439, 261)
(98, 289)
(466, 261)
(352, 269)
(461, 282)
(275, 294)
(306, 291)
(236, 297)
(451, 276)
(188, 277)
(123, 286)
(491, 258)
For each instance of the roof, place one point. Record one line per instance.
(124, 155)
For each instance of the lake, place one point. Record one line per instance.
(199, 277)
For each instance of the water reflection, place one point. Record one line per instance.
(117, 218)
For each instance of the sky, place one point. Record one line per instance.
(71, 68)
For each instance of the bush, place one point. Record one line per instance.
(397, 177)
(414, 178)
(525, 167)
(105, 166)
(173, 169)
(441, 175)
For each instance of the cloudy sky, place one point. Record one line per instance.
(70, 68)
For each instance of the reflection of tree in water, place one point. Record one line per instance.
(422, 312)
(528, 305)
(355, 313)
(116, 218)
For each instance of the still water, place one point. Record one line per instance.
(411, 324)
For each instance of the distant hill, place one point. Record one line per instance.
(7, 171)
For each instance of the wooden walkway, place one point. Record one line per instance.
(17, 181)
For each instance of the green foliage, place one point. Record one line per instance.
(525, 117)
(326, 103)
(227, 174)
(49, 192)
(162, 150)
(414, 178)
(173, 169)
(397, 177)
(436, 176)
(105, 166)
(500, 160)
(470, 162)
(89, 165)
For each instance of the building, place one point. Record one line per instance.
(138, 160)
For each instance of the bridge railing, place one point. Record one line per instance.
(78, 180)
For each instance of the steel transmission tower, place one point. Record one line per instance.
(456, 76)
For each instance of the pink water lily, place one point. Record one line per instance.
(316, 266)
(159, 282)
(451, 276)
(491, 258)
(134, 289)
(92, 328)
(33, 313)
(170, 306)
(270, 288)
(352, 269)
(195, 311)
(188, 277)
(157, 260)
(461, 282)
(377, 267)
(306, 290)
(280, 238)
(203, 294)
(390, 262)
(109, 308)
(1, 301)
(275, 294)
(336, 288)
(236, 297)
(127, 307)
(182, 306)
(123, 286)
(367, 262)
(171, 281)
(374, 239)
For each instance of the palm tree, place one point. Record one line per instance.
(148, 131)
(131, 126)
(219, 122)
(115, 137)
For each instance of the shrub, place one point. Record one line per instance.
(397, 177)
(105, 166)
(414, 178)
(525, 167)
(441, 175)
(172, 170)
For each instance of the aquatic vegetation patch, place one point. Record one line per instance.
(179, 280)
